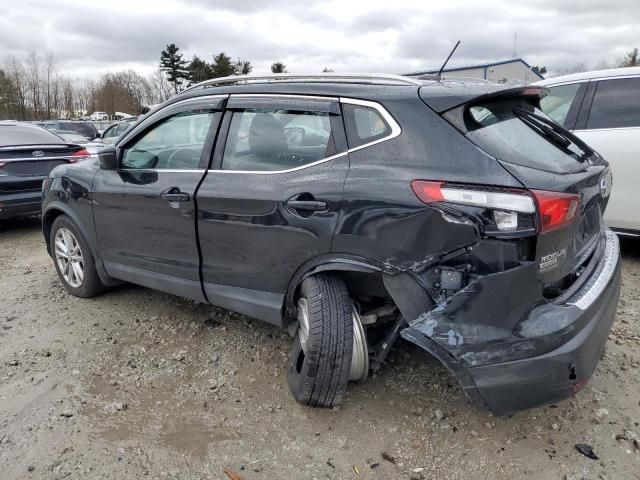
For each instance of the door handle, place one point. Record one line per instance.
(307, 205)
(174, 194)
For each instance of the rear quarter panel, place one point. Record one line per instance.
(382, 219)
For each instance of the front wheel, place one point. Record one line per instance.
(320, 362)
(73, 259)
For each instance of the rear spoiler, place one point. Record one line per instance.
(441, 96)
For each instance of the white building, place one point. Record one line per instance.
(515, 70)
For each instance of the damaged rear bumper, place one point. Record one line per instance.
(543, 356)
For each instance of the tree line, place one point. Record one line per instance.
(181, 73)
(631, 59)
(35, 89)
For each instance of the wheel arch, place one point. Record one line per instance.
(56, 209)
(326, 263)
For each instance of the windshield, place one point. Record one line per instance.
(515, 131)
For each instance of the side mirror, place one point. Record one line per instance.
(108, 158)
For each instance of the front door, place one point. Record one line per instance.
(271, 201)
(144, 210)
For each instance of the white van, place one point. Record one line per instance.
(603, 109)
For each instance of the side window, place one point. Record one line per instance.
(616, 104)
(273, 140)
(557, 104)
(120, 129)
(174, 143)
(364, 125)
(110, 132)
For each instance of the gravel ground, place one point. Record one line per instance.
(139, 384)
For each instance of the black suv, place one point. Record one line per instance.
(353, 210)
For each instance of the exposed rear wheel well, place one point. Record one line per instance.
(365, 285)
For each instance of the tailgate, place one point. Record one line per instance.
(570, 182)
(36, 160)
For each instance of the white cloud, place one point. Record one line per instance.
(375, 35)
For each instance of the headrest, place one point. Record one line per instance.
(266, 135)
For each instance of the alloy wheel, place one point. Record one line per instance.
(69, 257)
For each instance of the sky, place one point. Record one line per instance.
(88, 38)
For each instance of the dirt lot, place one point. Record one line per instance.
(139, 384)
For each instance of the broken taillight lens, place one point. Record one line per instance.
(508, 210)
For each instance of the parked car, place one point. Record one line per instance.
(86, 129)
(92, 146)
(603, 109)
(454, 214)
(27, 155)
(98, 116)
(115, 130)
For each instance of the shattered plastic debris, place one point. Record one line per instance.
(586, 450)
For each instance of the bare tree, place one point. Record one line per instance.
(631, 59)
(33, 82)
(577, 68)
(15, 72)
(161, 86)
(49, 73)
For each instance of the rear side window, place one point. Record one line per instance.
(616, 104)
(86, 129)
(497, 128)
(273, 140)
(557, 104)
(364, 125)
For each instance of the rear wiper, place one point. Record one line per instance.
(554, 132)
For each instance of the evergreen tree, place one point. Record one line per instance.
(278, 67)
(199, 70)
(243, 67)
(631, 59)
(539, 70)
(174, 66)
(222, 66)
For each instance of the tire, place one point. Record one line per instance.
(90, 284)
(319, 376)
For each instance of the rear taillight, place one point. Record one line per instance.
(505, 210)
(79, 155)
(556, 209)
(515, 200)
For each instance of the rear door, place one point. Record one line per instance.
(610, 123)
(271, 200)
(144, 210)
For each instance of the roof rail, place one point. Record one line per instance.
(372, 79)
